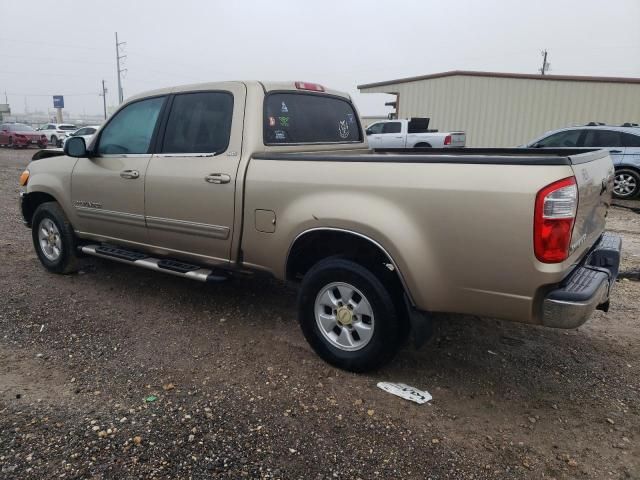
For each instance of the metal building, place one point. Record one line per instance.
(508, 109)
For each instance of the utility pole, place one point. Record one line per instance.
(545, 66)
(104, 99)
(118, 58)
(6, 100)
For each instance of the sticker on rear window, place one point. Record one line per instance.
(284, 108)
(280, 135)
(272, 121)
(343, 129)
(284, 121)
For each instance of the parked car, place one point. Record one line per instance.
(85, 132)
(413, 133)
(232, 178)
(622, 142)
(15, 135)
(55, 132)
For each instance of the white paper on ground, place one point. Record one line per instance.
(406, 392)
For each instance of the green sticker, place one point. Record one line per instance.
(284, 121)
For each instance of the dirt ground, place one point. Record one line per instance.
(233, 390)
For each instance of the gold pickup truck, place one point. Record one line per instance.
(214, 180)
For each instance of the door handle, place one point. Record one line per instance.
(217, 178)
(130, 174)
(615, 151)
(399, 137)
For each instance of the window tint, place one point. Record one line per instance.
(629, 140)
(392, 127)
(568, 138)
(67, 127)
(199, 123)
(131, 129)
(602, 138)
(308, 118)
(376, 128)
(90, 131)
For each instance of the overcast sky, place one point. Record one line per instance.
(67, 47)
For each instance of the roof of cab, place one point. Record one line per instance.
(267, 86)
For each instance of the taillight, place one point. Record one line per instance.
(24, 178)
(314, 87)
(555, 213)
(447, 140)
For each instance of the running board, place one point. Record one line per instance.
(173, 267)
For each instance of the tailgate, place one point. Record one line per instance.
(594, 175)
(458, 139)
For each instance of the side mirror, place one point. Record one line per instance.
(368, 131)
(75, 147)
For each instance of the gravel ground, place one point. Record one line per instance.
(118, 372)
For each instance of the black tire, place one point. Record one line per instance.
(11, 145)
(422, 145)
(388, 328)
(67, 260)
(631, 188)
(54, 140)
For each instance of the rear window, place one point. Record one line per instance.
(67, 127)
(292, 118)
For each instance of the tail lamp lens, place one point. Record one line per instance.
(555, 213)
(24, 178)
(447, 140)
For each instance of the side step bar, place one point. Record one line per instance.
(173, 267)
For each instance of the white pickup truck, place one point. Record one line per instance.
(411, 133)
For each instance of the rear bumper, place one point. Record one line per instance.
(587, 288)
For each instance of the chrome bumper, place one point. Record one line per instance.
(587, 288)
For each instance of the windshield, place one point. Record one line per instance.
(292, 118)
(21, 127)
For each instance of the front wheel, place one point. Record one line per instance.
(348, 316)
(53, 239)
(626, 184)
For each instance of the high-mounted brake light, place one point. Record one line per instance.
(314, 87)
(554, 216)
(447, 140)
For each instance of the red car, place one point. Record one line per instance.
(20, 135)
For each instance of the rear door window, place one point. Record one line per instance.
(199, 123)
(294, 118)
(392, 127)
(602, 138)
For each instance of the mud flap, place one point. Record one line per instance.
(421, 324)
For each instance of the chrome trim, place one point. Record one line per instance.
(185, 155)
(563, 314)
(333, 229)
(193, 228)
(150, 263)
(110, 215)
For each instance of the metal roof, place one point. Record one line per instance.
(525, 76)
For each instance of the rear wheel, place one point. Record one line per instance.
(53, 239)
(348, 316)
(626, 184)
(422, 145)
